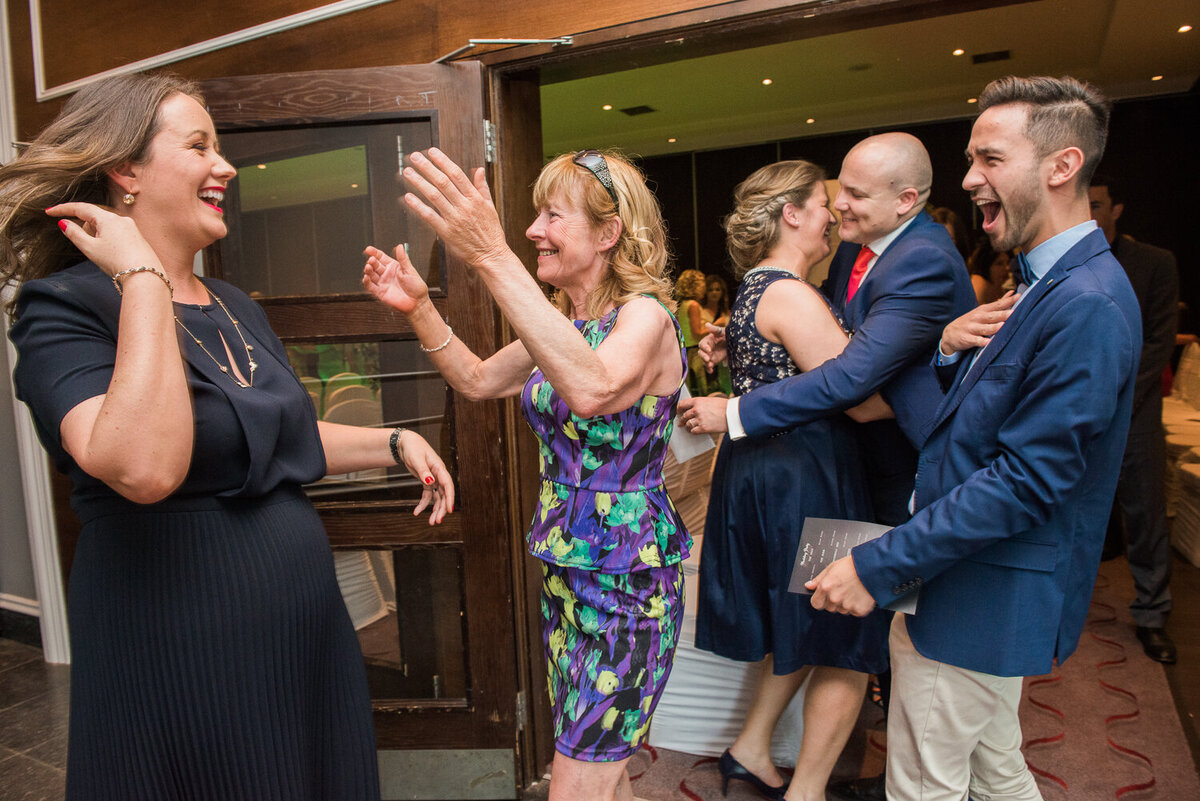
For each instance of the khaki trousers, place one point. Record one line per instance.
(951, 731)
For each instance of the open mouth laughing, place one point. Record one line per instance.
(213, 197)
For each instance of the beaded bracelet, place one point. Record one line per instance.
(394, 443)
(142, 269)
(449, 336)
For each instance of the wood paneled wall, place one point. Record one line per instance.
(82, 37)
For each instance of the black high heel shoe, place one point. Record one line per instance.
(732, 769)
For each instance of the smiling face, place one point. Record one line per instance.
(571, 253)
(869, 204)
(816, 222)
(1005, 178)
(181, 184)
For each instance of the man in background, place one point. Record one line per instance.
(1141, 502)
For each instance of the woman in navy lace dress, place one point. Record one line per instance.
(763, 489)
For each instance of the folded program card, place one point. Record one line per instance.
(824, 541)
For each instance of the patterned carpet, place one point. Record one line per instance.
(1101, 727)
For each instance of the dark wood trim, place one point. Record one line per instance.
(515, 108)
(344, 318)
(715, 29)
(452, 96)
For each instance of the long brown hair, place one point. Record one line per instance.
(104, 125)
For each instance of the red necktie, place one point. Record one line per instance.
(860, 268)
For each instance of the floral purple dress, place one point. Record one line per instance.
(611, 543)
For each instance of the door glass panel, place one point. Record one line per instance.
(306, 202)
(407, 607)
(381, 385)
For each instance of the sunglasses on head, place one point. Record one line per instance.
(593, 161)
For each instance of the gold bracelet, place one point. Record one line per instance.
(142, 269)
(449, 337)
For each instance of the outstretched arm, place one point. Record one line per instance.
(639, 356)
(352, 448)
(396, 282)
(903, 326)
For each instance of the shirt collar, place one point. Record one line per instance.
(881, 244)
(1047, 254)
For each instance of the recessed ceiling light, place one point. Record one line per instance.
(607, 107)
(671, 140)
(1156, 77)
(1184, 28)
(262, 166)
(354, 186)
(810, 120)
(767, 82)
(958, 51)
(972, 100)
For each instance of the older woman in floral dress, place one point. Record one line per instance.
(598, 370)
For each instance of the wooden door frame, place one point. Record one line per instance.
(714, 29)
(364, 94)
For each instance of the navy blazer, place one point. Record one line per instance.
(1016, 480)
(917, 286)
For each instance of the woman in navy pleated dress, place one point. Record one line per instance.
(213, 656)
(764, 488)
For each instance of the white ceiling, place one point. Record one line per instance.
(887, 75)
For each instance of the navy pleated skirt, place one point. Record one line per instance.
(213, 658)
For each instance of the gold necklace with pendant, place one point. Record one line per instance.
(225, 368)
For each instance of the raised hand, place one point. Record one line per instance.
(394, 280)
(111, 241)
(458, 209)
(976, 328)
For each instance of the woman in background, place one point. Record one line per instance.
(599, 372)
(212, 654)
(991, 275)
(715, 311)
(764, 488)
(955, 227)
(690, 289)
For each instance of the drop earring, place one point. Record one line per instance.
(128, 199)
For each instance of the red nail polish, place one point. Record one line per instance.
(62, 225)
(428, 480)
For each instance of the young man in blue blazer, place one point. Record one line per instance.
(1016, 478)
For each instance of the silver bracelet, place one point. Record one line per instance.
(142, 269)
(394, 443)
(449, 336)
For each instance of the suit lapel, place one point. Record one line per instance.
(1084, 250)
(854, 311)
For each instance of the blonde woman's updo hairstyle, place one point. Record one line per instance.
(752, 228)
(100, 127)
(638, 262)
(691, 285)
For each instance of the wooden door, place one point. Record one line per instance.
(319, 157)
